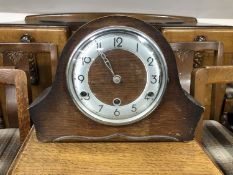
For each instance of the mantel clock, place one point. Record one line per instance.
(116, 80)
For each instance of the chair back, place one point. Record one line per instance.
(21, 56)
(18, 79)
(203, 77)
(186, 61)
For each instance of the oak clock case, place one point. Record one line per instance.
(116, 81)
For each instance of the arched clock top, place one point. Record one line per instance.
(116, 80)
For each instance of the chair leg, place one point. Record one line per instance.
(1, 119)
(1, 122)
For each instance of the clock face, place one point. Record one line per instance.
(117, 75)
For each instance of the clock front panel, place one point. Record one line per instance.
(112, 85)
(117, 76)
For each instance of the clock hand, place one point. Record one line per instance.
(106, 62)
(116, 78)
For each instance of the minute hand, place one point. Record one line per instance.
(106, 62)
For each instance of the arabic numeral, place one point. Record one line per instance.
(81, 78)
(134, 109)
(101, 107)
(117, 113)
(86, 60)
(147, 97)
(154, 79)
(87, 97)
(98, 45)
(118, 42)
(150, 61)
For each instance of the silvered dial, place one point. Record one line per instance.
(117, 75)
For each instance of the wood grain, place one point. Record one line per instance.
(125, 64)
(19, 80)
(56, 117)
(112, 158)
(15, 55)
(75, 20)
(187, 50)
(205, 76)
(212, 33)
(40, 33)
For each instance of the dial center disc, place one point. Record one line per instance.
(132, 77)
(116, 79)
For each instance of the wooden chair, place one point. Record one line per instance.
(185, 55)
(216, 139)
(11, 138)
(227, 108)
(185, 58)
(18, 55)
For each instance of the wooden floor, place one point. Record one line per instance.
(112, 158)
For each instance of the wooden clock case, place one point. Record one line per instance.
(57, 119)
